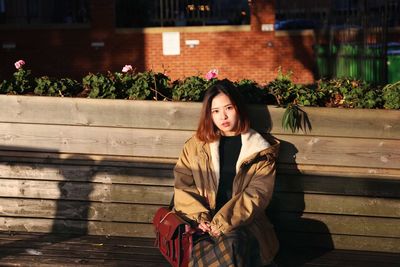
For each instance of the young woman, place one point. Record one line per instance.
(224, 180)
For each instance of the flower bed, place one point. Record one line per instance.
(149, 85)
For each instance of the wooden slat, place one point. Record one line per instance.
(98, 174)
(184, 116)
(76, 227)
(334, 151)
(61, 209)
(338, 185)
(155, 195)
(102, 244)
(339, 171)
(336, 204)
(365, 123)
(146, 230)
(307, 257)
(54, 190)
(77, 169)
(82, 250)
(168, 144)
(379, 182)
(115, 251)
(43, 157)
(106, 112)
(77, 210)
(26, 157)
(41, 261)
(362, 243)
(85, 191)
(73, 239)
(338, 224)
(92, 140)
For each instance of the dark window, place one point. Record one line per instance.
(44, 11)
(312, 14)
(161, 13)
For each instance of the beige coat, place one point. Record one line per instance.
(196, 182)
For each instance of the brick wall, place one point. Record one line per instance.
(249, 54)
(238, 52)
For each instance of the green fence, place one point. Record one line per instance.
(393, 64)
(355, 61)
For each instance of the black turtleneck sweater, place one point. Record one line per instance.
(229, 149)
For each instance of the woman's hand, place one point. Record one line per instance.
(205, 226)
(214, 232)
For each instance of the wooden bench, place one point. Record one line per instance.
(84, 177)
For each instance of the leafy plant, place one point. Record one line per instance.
(391, 95)
(350, 93)
(292, 95)
(308, 96)
(190, 89)
(21, 83)
(54, 87)
(146, 85)
(295, 119)
(252, 92)
(283, 88)
(5, 87)
(100, 86)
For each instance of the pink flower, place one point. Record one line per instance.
(127, 68)
(212, 74)
(19, 64)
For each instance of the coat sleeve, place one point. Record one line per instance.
(244, 206)
(188, 201)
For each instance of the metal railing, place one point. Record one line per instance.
(161, 13)
(44, 11)
(352, 36)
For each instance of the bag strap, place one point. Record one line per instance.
(171, 203)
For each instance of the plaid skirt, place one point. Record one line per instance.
(237, 248)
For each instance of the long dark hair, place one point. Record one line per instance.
(206, 130)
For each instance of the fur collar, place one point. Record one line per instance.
(252, 143)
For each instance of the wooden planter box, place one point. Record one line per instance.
(104, 166)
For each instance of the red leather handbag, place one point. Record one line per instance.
(174, 237)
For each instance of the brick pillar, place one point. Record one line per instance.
(262, 12)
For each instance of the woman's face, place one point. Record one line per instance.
(224, 114)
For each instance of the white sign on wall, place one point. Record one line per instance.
(267, 27)
(171, 43)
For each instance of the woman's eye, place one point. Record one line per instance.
(229, 108)
(214, 111)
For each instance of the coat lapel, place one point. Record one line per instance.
(214, 150)
(252, 142)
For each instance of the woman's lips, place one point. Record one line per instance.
(225, 124)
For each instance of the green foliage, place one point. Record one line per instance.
(190, 89)
(283, 88)
(146, 85)
(5, 87)
(295, 119)
(391, 95)
(339, 92)
(350, 93)
(54, 87)
(100, 86)
(308, 96)
(21, 83)
(252, 92)
(286, 92)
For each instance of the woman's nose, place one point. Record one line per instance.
(224, 115)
